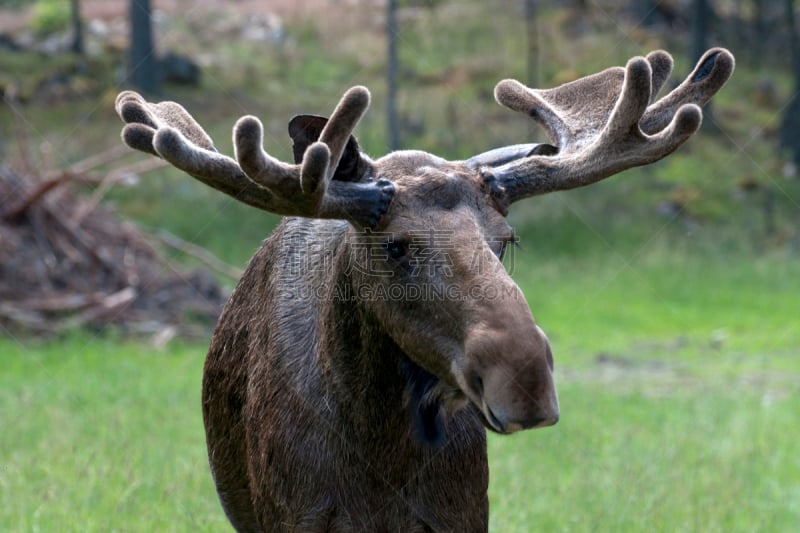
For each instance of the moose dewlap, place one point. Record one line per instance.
(375, 335)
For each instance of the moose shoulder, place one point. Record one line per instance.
(375, 335)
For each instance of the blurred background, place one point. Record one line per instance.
(670, 292)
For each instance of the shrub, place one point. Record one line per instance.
(50, 16)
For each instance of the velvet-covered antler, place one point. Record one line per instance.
(602, 124)
(167, 130)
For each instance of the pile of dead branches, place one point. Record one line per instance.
(68, 261)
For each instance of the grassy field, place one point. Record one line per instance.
(679, 382)
(102, 435)
(680, 391)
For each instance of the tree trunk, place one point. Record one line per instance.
(142, 67)
(759, 18)
(790, 123)
(701, 24)
(392, 123)
(645, 11)
(532, 57)
(77, 28)
(738, 23)
(533, 43)
(794, 42)
(700, 27)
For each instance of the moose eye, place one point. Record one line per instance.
(396, 249)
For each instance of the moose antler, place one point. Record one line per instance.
(603, 124)
(167, 130)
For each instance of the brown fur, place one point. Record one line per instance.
(356, 461)
(332, 403)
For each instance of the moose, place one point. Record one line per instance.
(333, 401)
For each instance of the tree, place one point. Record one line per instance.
(532, 39)
(392, 123)
(760, 25)
(77, 28)
(702, 16)
(645, 10)
(790, 124)
(701, 24)
(142, 59)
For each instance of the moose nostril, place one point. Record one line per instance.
(550, 362)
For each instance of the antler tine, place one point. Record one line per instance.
(606, 123)
(212, 168)
(320, 159)
(340, 126)
(709, 75)
(661, 63)
(133, 109)
(168, 131)
(633, 98)
(258, 165)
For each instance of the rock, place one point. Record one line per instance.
(178, 69)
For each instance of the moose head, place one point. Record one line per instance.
(423, 240)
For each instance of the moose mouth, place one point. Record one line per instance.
(493, 423)
(457, 399)
(431, 400)
(441, 402)
(489, 419)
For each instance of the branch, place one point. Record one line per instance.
(37, 194)
(200, 253)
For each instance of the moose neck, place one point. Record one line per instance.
(375, 384)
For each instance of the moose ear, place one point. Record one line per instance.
(306, 129)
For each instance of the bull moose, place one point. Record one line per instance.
(333, 401)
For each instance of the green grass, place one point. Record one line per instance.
(653, 458)
(679, 381)
(662, 302)
(678, 376)
(103, 435)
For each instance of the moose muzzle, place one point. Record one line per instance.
(507, 371)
